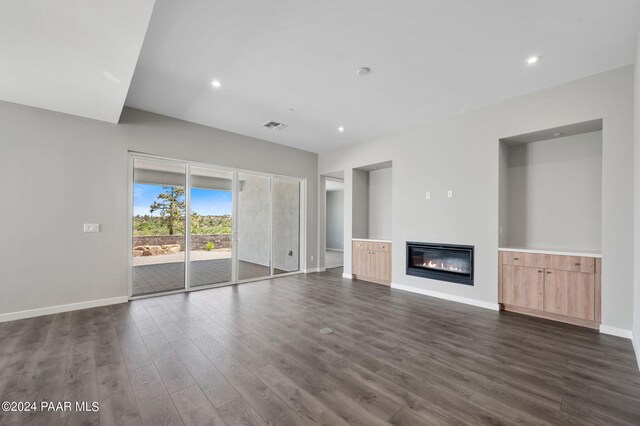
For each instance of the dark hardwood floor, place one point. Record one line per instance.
(253, 355)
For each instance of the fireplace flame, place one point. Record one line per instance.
(431, 264)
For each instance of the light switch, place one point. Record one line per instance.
(428, 195)
(450, 193)
(91, 227)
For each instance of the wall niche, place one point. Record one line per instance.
(550, 189)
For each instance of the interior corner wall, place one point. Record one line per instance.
(59, 171)
(503, 185)
(335, 220)
(380, 182)
(420, 164)
(360, 202)
(636, 298)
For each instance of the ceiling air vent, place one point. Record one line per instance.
(274, 125)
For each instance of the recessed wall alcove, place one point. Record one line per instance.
(551, 188)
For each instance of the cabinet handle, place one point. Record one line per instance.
(577, 264)
(515, 258)
(548, 272)
(540, 271)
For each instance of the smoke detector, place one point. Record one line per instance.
(274, 125)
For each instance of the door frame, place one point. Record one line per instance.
(302, 261)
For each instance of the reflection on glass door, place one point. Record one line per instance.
(211, 207)
(158, 226)
(254, 226)
(286, 226)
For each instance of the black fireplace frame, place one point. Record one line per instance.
(441, 275)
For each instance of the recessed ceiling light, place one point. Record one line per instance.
(531, 60)
(341, 129)
(363, 70)
(216, 84)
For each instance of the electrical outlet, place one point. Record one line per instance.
(91, 227)
(450, 193)
(428, 195)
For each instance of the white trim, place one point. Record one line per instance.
(347, 276)
(311, 270)
(636, 347)
(459, 299)
(561, 252)
(11, 316)
(335, 249)
(371, 240)
(615, 331)
(321, 269)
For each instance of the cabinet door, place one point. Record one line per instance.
(554, 284)
(381, 266)
(361, 263)
(523, 286)
(579, 296)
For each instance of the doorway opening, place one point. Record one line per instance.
(334, 193)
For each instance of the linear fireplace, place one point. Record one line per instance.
(443, 262)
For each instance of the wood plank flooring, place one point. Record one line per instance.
(252, 355)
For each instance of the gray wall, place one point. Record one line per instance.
(554, 193)
(59, 171)
(421, 163)
(380, 204)
(503, 185)
(636, 322)
(360, 204)
(335, 220)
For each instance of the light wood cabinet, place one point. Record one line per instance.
(371, 261)
(526, 286)
(557, 287)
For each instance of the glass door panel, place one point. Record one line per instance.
(286, 226)
(254, 226)
(158, 226)
(211, 215)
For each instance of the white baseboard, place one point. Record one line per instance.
(347, 276)
(310, 270)
(459, 299)
(615, 331)
(636, 347)
(11, 316)
(334, 249)
(322, 269)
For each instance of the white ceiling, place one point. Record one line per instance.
(429, 59)
(72, 56)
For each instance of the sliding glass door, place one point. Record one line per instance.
(286, 226)
(254, 226)
(210, 226)
(159, 223)
(195, 225)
